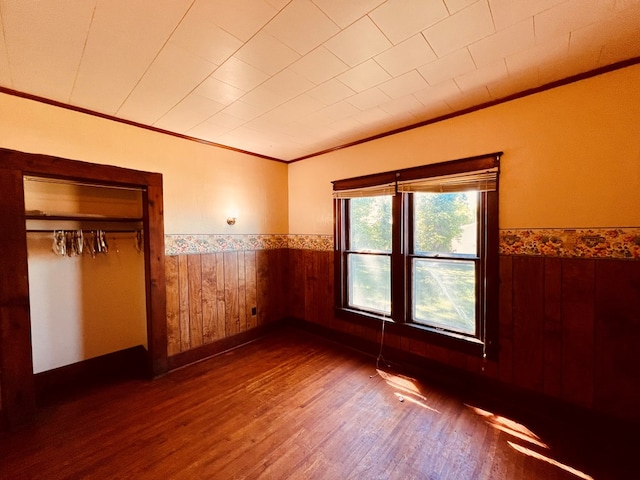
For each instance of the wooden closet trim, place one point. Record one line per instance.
(16, 366)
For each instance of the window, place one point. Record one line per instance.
(419, 247)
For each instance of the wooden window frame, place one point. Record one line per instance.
(399, 322)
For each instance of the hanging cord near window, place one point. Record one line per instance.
(380, 356)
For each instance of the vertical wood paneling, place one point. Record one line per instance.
(250, 278)
(578, 290)
(231, 292)
(173, 305)
(210, 330)
(262, 285)
(312, 305)
(183, 295)
(220, 298)
(528, 322)
(505, 328)
(194, 270)
(242, 294)
(553, 326)
(297, 283)
(617, 336)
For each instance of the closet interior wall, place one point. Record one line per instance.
(85, 300)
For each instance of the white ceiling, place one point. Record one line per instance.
(286, 79)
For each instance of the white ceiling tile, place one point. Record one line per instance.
(374, 117)
(302, 26)
(460, 29)
(434, 110)
(5, 71)
(191, 111)
(365, 75)
(412, 53)
(344, 13)
(334, 113)
(440, 92)
(208, 130)
(48, 47)
(569, 16)
(445, 68)
(239, 74)
(245, 111)
(264, 98)
(120, 48)
(551, 51)
(482, 76)
(160, 89)
(369, 99)
(469, 99)
(404, 85)
(456, 5)
(267, 54)
(294, 109)
(501, 44)
(330, 92)
(319, 65)
(616, 38)
(401, 19)
(514, 84)
(509, 12)
(225, 121)
(199, 35)
(357, 43)
(241, 18)
(218, 91)
(403, 108)
(288, 84)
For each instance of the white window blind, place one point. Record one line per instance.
(481, 180)
(373, 191)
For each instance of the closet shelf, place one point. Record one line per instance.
(43, 222)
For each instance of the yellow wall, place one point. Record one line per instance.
(202, 184)
(571, 157)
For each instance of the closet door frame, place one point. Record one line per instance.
(17, 390)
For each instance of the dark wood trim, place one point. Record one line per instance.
(62, 382)
(219, 346)
(532, 91)
(93, 113)
(16, 365)
(16, 378)
(451, 167)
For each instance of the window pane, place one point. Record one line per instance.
(446, 222)
(370, 282)
(370, 223)
(444, 294)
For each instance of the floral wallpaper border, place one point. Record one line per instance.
(623, 243)
(190, 244)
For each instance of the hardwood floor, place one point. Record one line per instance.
(293, 406)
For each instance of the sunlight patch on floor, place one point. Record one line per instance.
(406, 389)
(544, 458)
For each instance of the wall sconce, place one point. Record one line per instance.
(231, 220)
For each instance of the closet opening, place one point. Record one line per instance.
(82, 291)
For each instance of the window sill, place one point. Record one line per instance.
(426, 334)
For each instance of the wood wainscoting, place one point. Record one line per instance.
(569, 329)
(211, 297)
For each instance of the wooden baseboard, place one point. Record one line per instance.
(219, 346)
(64, 381)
